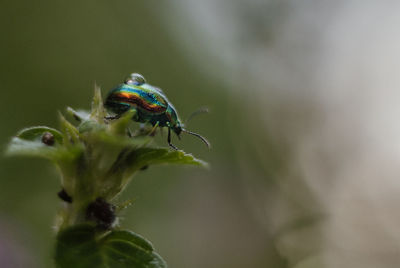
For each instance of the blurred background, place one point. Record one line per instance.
(304, 99)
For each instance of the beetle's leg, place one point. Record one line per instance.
(169, 140)
(112, 117)
(122, 112)
(153, 130)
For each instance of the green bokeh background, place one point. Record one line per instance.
(52, 53)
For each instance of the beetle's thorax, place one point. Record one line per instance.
(173, 119)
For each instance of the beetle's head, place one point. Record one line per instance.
(177, 128)
(174, 121)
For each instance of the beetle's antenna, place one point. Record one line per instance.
(201, 110)
(198, 136)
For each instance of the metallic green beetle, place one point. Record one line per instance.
(150, 103)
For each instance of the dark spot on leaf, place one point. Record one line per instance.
(144, 167)
(102, 212)
(48, 138)
(64, 196)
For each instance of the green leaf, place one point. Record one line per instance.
(118, 127)
(152, 156)
(81, 246)
(70, 132)
(36, 133)
(28, 142)
(90, 126)
(98, 113)
(76, 247)
(131, 161)
(120, 141)
(79, 115)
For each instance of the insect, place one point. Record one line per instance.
(151, 106)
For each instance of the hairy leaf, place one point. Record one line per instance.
(98, 113)
(28, 142)
(79, 115)
(151, 156)
(36, 133)
(81, 246)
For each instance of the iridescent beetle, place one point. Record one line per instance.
(150, 103)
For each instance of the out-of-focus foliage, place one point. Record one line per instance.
(303, 101)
